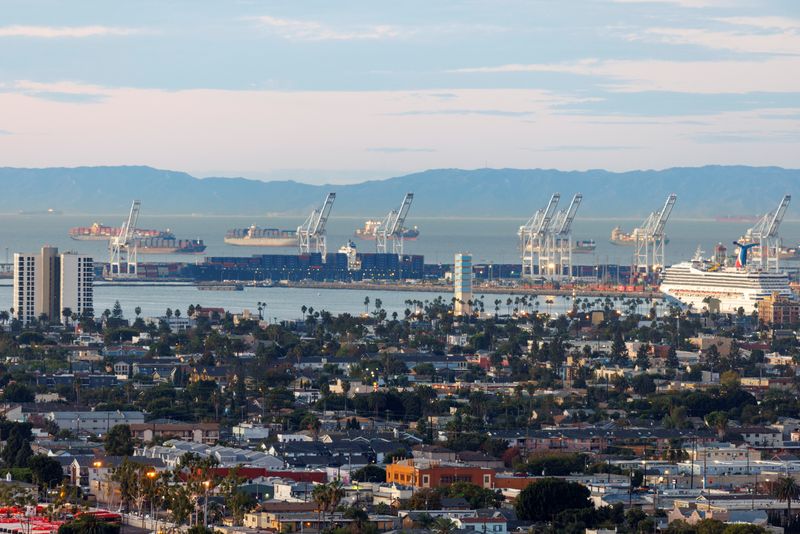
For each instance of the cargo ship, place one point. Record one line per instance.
(626, 239)
(370, 228)
(581, 246)
(736, 218)
(169, 245)
(220, 286)
(100, 232)
(261, 237)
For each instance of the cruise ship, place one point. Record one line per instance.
(694, 282)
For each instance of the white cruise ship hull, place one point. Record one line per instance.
(734, 288)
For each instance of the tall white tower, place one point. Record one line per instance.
(462, 284)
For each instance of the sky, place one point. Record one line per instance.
(324, 91)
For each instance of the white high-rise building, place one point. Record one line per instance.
(46, 283)
(77, 283)
(462, 284)
(23, 300)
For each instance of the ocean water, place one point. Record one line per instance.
(283, 303)
(488, 240)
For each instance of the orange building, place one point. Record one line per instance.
(433, 474)
(778, 310)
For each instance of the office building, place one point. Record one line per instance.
(462, 284)
(46, 283)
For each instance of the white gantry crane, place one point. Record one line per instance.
(651, 239)
(311, 236)
(765, 233)
(392, 227)
(534, 238)
(561, 238)
(123, 262)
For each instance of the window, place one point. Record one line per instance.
(426, 480)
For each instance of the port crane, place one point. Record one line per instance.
(392, 227)
(561, 239)
(651, 239)
(311, 235)
(533, 237)
(123, 262)
(765, 233)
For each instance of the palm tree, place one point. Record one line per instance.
(787, 489)
(443, 525)
(66, 313)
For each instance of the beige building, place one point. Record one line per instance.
(462, 284)
(46, 283)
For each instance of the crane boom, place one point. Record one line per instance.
(400, 215)
(663, 216)
(777, 217)
(547, 215)
(123, 260)
(392, 227)
(313, 229)
(569, 215)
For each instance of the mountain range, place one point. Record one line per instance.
(708, 191)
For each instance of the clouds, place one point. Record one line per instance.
(360, 130)
(308, 30)
(681, 3)
(699, 77)
(393, 87)
(68, 92)
(60, 32)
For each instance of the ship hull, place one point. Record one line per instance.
(733, 288)
(90, 237)
(262, 241)
(170, 250)
(372, 237)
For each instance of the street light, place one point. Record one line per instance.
(152, 476)
(97, 464)
(206, 485)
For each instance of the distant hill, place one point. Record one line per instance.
(702, 192)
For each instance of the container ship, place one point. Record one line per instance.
(626, 239)
(261, 237)
(100, 232)
(370, 228)
(169, 245)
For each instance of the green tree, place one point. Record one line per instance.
(370, 473)
(672, 358)
(119, 441)
(88, 524)
(45, 470)
(16, 392)
(18, 438)
(787, 489)
(425, 499)
(443, 525)
(546, 497)
(642, 357)
(718, 421)
(475, 495)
